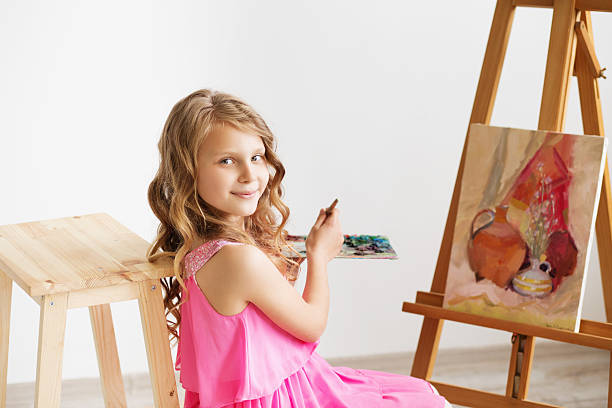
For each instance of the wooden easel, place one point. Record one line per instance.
(570, 51)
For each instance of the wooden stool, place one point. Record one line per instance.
(89, 260)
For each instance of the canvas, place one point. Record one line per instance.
(524, 226)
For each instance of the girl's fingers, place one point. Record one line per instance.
(332, 217)
(320, 219)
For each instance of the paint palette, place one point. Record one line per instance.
(354, 246)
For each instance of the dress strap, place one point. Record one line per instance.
(195, 259)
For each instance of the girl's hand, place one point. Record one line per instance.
(325, 239)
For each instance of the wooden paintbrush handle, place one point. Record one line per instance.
(331, 207)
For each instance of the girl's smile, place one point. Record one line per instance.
(246, 195)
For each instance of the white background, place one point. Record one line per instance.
(370, 102)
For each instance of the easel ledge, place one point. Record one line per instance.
(591, 334)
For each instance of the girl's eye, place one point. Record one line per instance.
(225, 161)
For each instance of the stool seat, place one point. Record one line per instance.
(85, 261)
(72, 253)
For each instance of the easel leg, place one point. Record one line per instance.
(481, 113)
(561, 51)
(6, 290)
(559, 64)
(108, 359)
(427, 349)
(492, 64)
(520, 366)
(484, 100)
(157, 344)
(592, 123)
(603, 226)
(51, 332)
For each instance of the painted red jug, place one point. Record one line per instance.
(496, 249)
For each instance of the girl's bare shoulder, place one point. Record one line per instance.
(221, 277)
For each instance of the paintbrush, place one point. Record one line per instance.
(331, 208)
(328, 212)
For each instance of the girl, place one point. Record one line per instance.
(246, 338)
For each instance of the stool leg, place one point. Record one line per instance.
(108, 358)
(51, 332)
(157, 342)
(6, 290)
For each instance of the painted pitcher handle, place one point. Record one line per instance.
(486, 210)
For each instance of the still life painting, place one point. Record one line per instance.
(354, 246)
(524, 226)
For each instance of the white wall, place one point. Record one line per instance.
(370, 102)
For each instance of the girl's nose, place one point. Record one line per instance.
(247, 173)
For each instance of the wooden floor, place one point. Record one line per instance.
(563, 374)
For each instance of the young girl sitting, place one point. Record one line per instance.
(246, 338)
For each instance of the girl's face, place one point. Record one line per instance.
(232, 172)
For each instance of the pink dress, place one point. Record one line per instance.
(245, 360)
